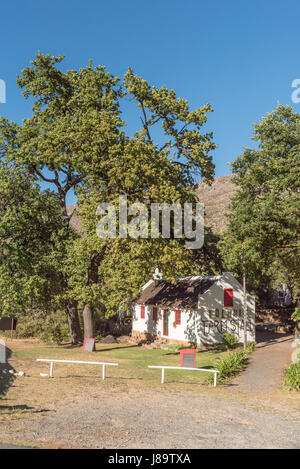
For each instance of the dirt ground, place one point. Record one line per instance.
(159, 420)
(242, 414)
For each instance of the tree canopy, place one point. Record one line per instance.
(264, 222)
(76, 140)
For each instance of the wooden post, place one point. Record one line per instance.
(11, 328)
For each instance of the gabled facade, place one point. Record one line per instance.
(195, 310)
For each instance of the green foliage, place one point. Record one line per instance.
(230, 340)
(51, 328)
(231, 364)
(55, 329)
(262, 238)
(31, 235)
(292, 377)
(75, 139)
(149, 172)
(250, 348)
(296, 315)
(31, 324)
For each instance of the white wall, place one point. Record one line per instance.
(204, 326)
(156, 328)
(215, 319)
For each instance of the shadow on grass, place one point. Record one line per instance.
(189, 383)
(117, 347)
(23, 407)
(97, 378)
(210, 349)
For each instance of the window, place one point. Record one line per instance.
(178, 316)
(154, 313)
(228, 297)
(142, 312)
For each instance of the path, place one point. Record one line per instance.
(264, 373)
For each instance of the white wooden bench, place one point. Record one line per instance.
(104, 364)
(163, 368)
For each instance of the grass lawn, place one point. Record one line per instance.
(33, 394)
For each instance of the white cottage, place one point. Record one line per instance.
(196, 310)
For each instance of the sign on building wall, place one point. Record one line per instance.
(233, 325)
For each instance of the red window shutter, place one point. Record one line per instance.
(142, 312)
(228, 297)
(154, 313)
(178, 316)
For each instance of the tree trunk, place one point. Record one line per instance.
(88, 320)
(73, 321)
(88, 310)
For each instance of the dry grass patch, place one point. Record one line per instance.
(32, 395)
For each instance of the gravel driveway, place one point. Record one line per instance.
(162, 420)
(240, 415)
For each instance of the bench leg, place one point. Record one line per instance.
(51, 369)
(162, 376)
(103, 371)
(215, 379)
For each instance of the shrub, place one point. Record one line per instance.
(230, 365)
(30, 325)
(250, 348)
(292, 377)
(296, 315)
(55, 329)
(49, 327)
(230, 340)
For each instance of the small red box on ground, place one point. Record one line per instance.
(188, 358)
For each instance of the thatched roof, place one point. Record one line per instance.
(182, 295)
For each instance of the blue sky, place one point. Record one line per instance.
(240, 56)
